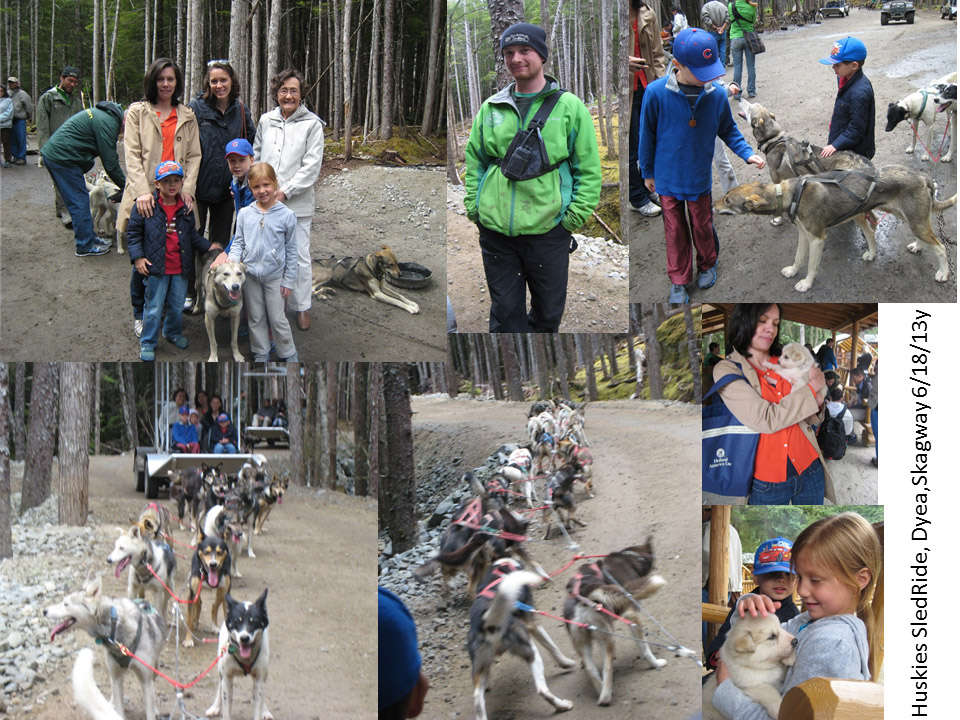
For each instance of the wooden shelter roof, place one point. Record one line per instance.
(832, 316)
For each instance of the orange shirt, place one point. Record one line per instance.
(774, 449)
(638, 77)
(168, 129)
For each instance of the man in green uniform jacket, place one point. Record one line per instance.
(54, 108)
(526, 226)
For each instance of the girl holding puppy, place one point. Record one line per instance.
(838, 561)
(789, 466)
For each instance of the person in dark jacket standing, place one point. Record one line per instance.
(71, 152)
(161, 247)
(223, 117)
(854, 111)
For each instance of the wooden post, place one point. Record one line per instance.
(719, 584)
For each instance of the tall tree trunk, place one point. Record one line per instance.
(258, 104)
(374, 400)
(585, 347)
(399, 491)
(295, 424)
(434, 66)
(41, 435)
(361, 429)
(693, 348)
(543, 370)
(96, 48)
(387, 115)
(6, 532)
(128, 402)
(19, 408)
(561, 353)
(331, 443)
(96, 407)
(75, 400)
(327, 417)
(510, 369)
(503, 14)
(652, 350)
(452, 376)
(347, 91)
(625, 100)
(373, 82)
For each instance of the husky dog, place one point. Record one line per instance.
(516, 471)
(115, 622)
(211, 566)
(264, 499)
(155, 521)
(85, 690)
(222, 296)
(497, 627)
(143, 554)
(228, 526)
(245, 628)
(366, 274)
(794, 366)
(189, 487)
(757, 652)
(591, 587)
(923, 106)
(216, 485)
(569, 450)
(560, 496)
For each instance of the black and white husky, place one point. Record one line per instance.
(244, 632)
(135, 625)
(497, 627)
(141, 554)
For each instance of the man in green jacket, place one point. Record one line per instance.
(54, 108)
(71, 152)
(526, 226)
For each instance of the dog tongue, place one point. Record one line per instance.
(234, 294)
(280, 500)
(60, 628)
(213, 578)
(245, 651)
(121, 565)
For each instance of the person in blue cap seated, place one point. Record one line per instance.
(185, 438)
(403, 686)
(854, 110)
(223, 436)
(774, 578)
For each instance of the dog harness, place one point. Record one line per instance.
(114, 646)
(833, 177)
(489, 592)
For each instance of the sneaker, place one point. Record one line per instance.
(678, 294)
(654, 198)
(188, 303)
(137, 327)
(873, 461)
(7, 164)
(95, 250)
(146, 354)
(647, 209)
(707, 278)
(20, 161)
(179, 340)
(102, 242)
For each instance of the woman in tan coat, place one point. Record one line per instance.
(789, 467)
(160, 127)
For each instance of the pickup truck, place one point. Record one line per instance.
(835, 7)
(896, 10)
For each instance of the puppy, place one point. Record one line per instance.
(794, 366)
(497, 627)
(211, 566)
(245, 628)
(757, 652)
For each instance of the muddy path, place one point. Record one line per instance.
(646, 478)
(56, 306)
(316, 560)
(790, 82)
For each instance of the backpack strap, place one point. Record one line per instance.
(543, 112)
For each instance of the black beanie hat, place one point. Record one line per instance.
(525, 34)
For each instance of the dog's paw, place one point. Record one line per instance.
(212, 711)
(250, 554)
(803, 285)
(213, 358)
(946, 158)
(238, 357)
(660, 662)
(869, 256)
(914, 247)
(909, 151)
(789, 271)
(942, 275)
(267, 715)
(604, 699)
(120, 249)
(925, 158)
(188, 641)
(413, 309)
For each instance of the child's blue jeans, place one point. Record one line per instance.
(163, 289)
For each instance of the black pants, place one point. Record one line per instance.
(514, 263)
(638, 191)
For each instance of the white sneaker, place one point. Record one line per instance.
(137, 327)
(648, 209)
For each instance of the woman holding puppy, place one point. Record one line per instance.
(788, 466)
(837, 561)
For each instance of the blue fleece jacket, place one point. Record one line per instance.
(833, 646)
(184, 434)
(677, 156)
(854, 117)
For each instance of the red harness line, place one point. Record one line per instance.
(471, 519)
(171, 593)
(177, 542)
(913, 126)
(178, 685)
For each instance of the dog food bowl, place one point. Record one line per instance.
(412, 275)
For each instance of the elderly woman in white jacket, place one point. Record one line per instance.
(290, 138)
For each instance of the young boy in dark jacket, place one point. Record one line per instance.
(854, 111)
(161, 248)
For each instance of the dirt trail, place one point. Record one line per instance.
(792, 84)
(646, 478)
(317, 669)
(56, 306)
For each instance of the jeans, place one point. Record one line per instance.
(19, 143)
(738, 46)
(721, 39)
(513, 263)
(163, 289)
(73, 189)
(876, 439)
(638, 191)
(804, 488)
(225, 449)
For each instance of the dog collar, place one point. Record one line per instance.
(770, 144)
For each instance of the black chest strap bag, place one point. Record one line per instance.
(526, 158)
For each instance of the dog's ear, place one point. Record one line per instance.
(754, 202)
(262, 604)
(757, 123)
(745, 644)
(92, 587)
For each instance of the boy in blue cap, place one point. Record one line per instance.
(681, 116)
(403, 686)
(774, 578)
(161, 249)
(240, 159)
(852, 124)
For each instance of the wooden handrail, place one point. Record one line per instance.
(832, 699)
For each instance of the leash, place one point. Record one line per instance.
(172, 594)
(180, 686)
(913, 126)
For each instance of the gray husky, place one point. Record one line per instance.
(142, 555)
(115, 622)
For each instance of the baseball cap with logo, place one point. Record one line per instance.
(697, 50)
(772, 556)
(223, 418)
(168, 168)
(240, 146)
(847, 50)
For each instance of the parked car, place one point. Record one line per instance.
(836, 7)
(949, 10)
(896, 10)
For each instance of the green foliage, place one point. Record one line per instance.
(755, 524)
(675, 359)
